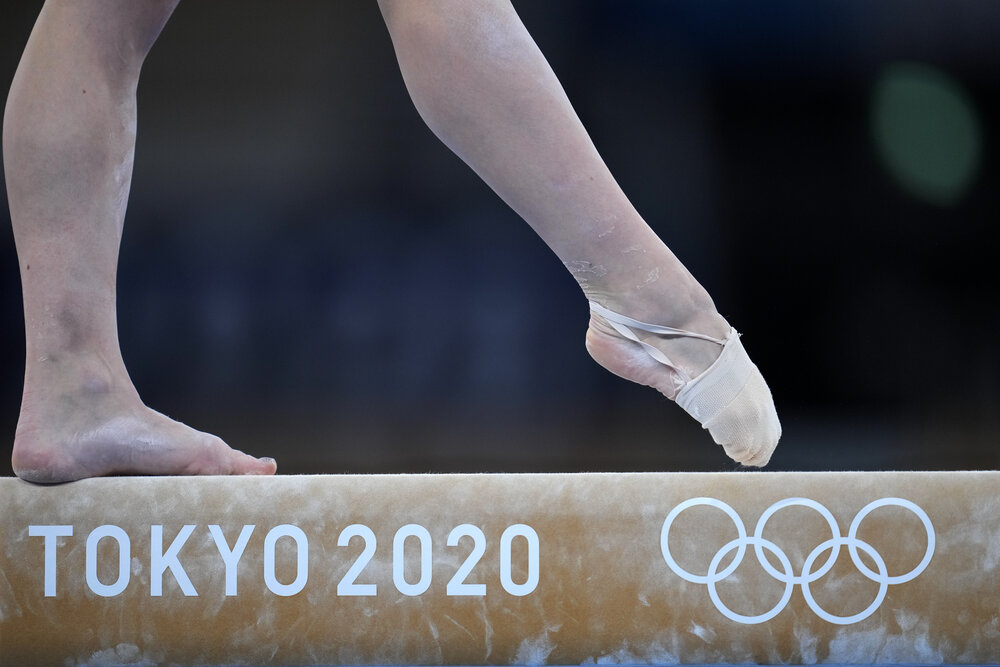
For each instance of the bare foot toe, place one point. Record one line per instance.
(218, 458)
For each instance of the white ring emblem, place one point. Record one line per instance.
(788, 576)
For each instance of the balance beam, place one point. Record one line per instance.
(892, 567)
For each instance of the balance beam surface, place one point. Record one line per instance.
(644, 568)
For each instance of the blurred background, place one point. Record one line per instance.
(307, 272)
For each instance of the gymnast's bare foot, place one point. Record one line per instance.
(68, 145)
(79, 422)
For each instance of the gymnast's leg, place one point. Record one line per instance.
(481, 84)
(68, 142)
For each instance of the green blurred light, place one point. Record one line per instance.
(926, 132)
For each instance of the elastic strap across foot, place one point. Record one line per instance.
(625, 325)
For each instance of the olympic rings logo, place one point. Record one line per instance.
(788, 577)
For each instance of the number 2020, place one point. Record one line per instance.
(348, 586)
